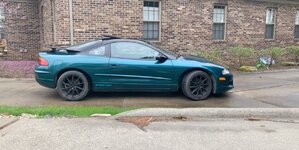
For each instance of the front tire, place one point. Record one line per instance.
(197, 85)
(72, 86)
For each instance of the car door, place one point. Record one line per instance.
(134, 67)
(96, 65)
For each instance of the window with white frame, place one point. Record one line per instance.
(2, 22)
(296, 34)
(219, 22)
(151, 20)
(2, 17)
(270, 23)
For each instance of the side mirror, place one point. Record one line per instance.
(161, 58)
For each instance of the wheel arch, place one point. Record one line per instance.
(73, 69)
(214, 83)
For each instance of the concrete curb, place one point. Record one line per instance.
(214, 113)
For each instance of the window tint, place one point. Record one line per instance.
(100, 51)
(131, 50)
(85, 45)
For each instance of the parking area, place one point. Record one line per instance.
(253, 90)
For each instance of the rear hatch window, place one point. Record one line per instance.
(84, 46)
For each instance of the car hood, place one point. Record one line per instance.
(196, 58)
(199, 59)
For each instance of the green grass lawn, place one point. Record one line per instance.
(79, 111)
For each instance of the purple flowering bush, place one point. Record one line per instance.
(17, 69)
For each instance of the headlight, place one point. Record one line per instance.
(225, 71)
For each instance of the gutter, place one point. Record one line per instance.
(23, 1)
(280, 1)
(71, 22)
(54, 21)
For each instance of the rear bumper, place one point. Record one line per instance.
(44, 78)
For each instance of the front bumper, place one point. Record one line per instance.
(224, 86)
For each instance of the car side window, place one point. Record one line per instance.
(99, 51)
(130, 50)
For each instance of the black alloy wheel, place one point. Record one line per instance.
(197, 85)
(72, 86)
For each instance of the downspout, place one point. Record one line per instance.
(71, 22)
(54, 22)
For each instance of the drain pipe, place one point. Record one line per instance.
(71, 22)
(54, 21)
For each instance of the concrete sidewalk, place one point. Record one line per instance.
(99, 133)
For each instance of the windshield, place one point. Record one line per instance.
(164, 51)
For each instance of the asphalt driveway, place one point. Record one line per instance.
(268, 89)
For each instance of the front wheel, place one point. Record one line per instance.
(197, 85)
(72, 86)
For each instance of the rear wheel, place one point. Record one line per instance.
(72, 86)
(197, 85)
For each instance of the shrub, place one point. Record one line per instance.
(294, 50)
(212, 55)
(275, 53)
(241, 54)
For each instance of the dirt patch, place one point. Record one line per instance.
(142, 121)
(255, 119)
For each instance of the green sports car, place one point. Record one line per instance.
(116, 64)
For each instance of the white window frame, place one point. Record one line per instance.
(2, 16)
(224, 22)
(273, 23)
(296, 23)
(159, 21)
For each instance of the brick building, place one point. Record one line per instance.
(183, 26)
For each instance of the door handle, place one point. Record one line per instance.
(113, 65)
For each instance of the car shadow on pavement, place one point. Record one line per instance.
(150, 95)
(155, 99)
(143, 99)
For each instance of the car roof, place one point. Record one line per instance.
(107, 39)
(123, 40)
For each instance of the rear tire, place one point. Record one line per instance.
(197, 85)
(72, 86)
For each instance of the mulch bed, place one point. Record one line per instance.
(273, 68)
(17, 69)
(142, 121)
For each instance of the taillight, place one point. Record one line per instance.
(43, 62)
